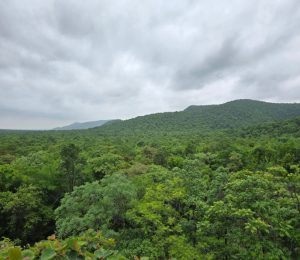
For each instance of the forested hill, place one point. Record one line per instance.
(234, 114)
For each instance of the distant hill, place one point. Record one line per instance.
(84, 125)
(233, 114)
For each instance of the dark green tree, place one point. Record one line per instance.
(69, 164)
(98, 205)
(24, 216)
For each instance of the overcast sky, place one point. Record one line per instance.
(63, 61)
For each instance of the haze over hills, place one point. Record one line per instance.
(84, 125)
(233, 114)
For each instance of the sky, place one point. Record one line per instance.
(70, 60)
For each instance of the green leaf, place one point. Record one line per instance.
(48, 254)
(28, 254)
(102, 253)
(74, 255)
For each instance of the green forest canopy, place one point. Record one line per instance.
(210, 182)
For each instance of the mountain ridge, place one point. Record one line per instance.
(232, 114)
(84, 125)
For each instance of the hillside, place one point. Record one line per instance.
(84, 125)
(279, 128)
(234, 114)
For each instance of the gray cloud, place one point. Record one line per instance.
(64, 61)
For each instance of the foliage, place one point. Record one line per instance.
(25, 215)
(95, 205)
(165, 186)
(90, 245)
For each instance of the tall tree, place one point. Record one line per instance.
(69, 161)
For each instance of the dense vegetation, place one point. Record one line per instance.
(195, 119)
(115, 192)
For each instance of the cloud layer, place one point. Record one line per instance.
(64, 61)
